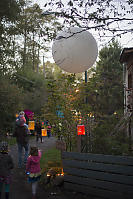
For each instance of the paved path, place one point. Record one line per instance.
(21, 189)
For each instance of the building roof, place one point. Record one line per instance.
(126, 53)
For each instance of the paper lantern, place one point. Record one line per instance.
(81, 129)
(74, 50)
(31, 125)
(17, 115)
(44, 132)
(29, 114)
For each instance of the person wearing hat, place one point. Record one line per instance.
(21, 117)
(22, 138)
(6, 165)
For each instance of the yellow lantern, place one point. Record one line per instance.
(44, 132)
(31, 125)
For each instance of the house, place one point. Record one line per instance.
(126, 59)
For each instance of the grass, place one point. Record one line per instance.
(51, 159)
(11, 141)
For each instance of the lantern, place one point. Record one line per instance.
(44, 132)
(17, 115)
(31, 125)
(29, 114)
(74, 50)
(81, 129)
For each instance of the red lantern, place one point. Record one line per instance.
(81, 129)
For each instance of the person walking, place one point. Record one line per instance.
(33, 169)
(49, 131)
(38, 130)
(6, 165)
(22, 138)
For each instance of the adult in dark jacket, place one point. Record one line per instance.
(22, 139)
(6, 164)
(38, 130)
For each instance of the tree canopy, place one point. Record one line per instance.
(108, 18)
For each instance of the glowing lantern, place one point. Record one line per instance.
(44, 132)
(81, 129)
(74, 50)
(31, 125)
(17, 115)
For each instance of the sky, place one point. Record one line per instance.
(126, 40)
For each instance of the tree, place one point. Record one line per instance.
(108, 18)
(59, 107)
(35, 31)
(98, 104)
(109, 80)
(9, 13)
(9, 10)
(33, 86)
(23, 39)
(106, 92)
(10, 103)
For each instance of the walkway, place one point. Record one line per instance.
(20, 189)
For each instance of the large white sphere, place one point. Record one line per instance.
(74, 50)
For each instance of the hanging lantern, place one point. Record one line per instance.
(16, 115)
(31, 125)
(74, 50)
(81, 129)
(44, 132)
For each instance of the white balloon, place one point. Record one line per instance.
(74, 50)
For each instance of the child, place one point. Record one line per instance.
(33, 169)
(6, 164)
(20, 119)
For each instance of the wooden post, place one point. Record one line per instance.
(79, 143)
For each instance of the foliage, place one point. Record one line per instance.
(104, 143)
(10, 102)
(24, 39)
(98, 103)
(50, 159)
(9, 13)
(59, 106)
(34, 89)
(105, 17)
(105, 99)
(22, 36)
(9, 10)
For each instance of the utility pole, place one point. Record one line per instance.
(86, 122)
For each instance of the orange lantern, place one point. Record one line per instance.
(81, 129)
(31, 125)
(44, 132)
(17, 115)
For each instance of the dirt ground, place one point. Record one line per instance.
(21, 189)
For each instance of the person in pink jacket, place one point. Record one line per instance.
(33, 169)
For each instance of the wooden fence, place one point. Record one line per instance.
(98, 175)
